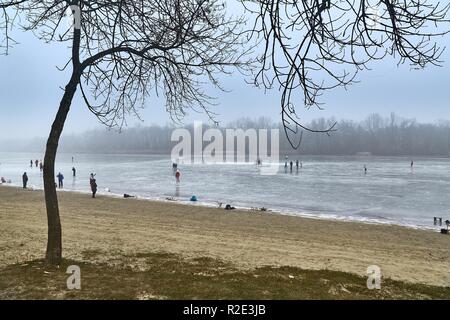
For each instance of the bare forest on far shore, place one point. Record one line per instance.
(376, 135)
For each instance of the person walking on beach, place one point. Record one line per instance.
(74, 171)
(25, 180)
(60, 180)
(93, 184)
(178, 176)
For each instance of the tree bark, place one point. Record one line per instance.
(54, 242)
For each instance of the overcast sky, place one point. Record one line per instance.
(30, 92)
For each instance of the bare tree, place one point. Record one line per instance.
(122, 51)
(125, 49)
(311, 46)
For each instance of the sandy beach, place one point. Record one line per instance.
(112, 226)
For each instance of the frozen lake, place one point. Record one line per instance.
(326, 187)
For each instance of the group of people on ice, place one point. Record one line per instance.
(291, 164)
(59, 176)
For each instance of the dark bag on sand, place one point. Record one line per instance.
(228, 207)
(126, 196)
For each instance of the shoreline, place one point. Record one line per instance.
(247, 239)
(149, 153)
(206, 204)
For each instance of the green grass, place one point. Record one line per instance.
(168, 276)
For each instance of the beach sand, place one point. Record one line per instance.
(112, 227)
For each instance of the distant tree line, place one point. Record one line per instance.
(383, 136)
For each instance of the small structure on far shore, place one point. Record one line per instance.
(438, 222)
(445, 231)
(363, 154)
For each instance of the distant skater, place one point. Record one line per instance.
(291, 164)
(25, 180)
(60, 180)
(41, 166)
(365, 169)
(74, 171)
(296, 164)
(412, 164)
(31, 163)
(36, 163)
(178, 176)
(93, 183)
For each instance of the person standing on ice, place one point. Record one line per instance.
(93, 183)
(25, 180)
(60, 180)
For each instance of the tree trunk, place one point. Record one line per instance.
(54, 242)
(53, 255)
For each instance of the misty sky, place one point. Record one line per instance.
(30, 92)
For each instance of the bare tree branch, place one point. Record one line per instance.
(311, 46)
(130, 49)
(8, 15)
